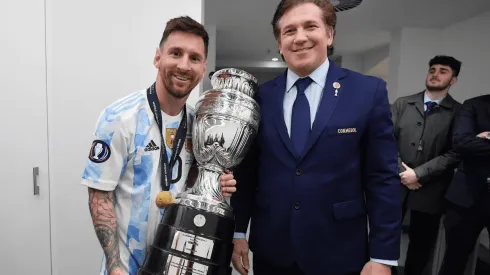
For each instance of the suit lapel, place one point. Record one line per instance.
(418, 101)
(278, 99)
(420, 107)
(327, 104)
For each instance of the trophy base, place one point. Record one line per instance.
(190, 241)
(175, 265)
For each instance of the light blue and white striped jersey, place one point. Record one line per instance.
(125, 158)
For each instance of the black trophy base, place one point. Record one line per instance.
(190, 241)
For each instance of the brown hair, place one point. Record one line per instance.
(188, 25)
(329, 15)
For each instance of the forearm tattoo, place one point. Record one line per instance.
(104, 219)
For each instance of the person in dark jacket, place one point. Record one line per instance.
(423, 124)
(468, 195)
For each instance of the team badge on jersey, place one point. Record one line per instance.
(99, 152)
(170, 134)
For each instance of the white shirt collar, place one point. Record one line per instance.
(427, 99)
(319, 76)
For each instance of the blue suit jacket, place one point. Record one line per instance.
(314, 209)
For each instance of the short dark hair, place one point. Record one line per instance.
(445, 60)
(329, 15)
(188, 25)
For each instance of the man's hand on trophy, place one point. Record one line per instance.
(240, 256)
(228, 183)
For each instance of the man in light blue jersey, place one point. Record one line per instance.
(124, 167)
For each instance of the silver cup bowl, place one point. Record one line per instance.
(226, 123)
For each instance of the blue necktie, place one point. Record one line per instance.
(301, 120)
(430, 106)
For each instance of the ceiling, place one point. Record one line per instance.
(244, 31)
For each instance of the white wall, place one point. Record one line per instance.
(206, 83)
(376, 62)
(353, 62)
(394, 64)
(372, 58)
(373, 62)
(469, 42)
(24, 215)
(98, 51)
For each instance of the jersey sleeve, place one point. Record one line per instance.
(108, 153)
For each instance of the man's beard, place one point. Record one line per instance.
(439, 88)
(176, 94)
(169, 87)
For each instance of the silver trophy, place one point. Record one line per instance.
(195, 235)
(226, 122)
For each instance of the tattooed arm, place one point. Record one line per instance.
(104, 219)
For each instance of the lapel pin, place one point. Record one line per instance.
(336, 85)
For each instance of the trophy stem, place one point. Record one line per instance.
(208, 185)
(206, 193)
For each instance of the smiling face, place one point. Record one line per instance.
(181, 63)
(304, 38)
(439, 78)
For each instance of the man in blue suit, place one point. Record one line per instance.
(324, 163)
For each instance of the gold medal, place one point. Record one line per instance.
(164, 199)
